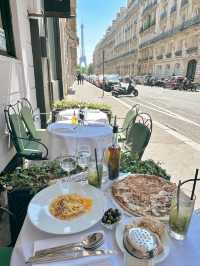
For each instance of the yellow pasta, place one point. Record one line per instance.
(69, 206)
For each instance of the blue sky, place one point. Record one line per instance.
(96, 15)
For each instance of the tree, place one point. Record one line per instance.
(90, 69)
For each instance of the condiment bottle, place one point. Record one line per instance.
(74, 119)
(140, 247)
(114, 152)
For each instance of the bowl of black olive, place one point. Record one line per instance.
(111, 218)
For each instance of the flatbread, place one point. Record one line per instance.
(143, 195)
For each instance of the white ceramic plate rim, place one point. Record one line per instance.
(40, 217)
(119, 240)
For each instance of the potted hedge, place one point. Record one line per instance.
(65, 104)
(22, 185)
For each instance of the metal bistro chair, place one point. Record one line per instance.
(26, 113)
(128, 121)
(5, 255)
(139, 135)
(26, 146)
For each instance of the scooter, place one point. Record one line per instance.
(124, 90)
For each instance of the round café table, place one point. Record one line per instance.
(181, 253)
(66, 138)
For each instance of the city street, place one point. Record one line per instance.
(175, 141)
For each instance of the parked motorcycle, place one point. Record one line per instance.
(124, 89)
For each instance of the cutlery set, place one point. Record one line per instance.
(86, 248)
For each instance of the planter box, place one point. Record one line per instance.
(18, 201)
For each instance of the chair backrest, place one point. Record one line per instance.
(139, 134)
(16, 127)
(27, 117)
(130, 117)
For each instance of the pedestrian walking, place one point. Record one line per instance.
(79, 78)
(82, 79)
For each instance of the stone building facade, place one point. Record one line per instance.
(161, 37)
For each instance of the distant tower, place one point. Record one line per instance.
(82, 57)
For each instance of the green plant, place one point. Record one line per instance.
(130, 164)
(34, 178)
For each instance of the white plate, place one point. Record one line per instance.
(38, 210)
(119, 239)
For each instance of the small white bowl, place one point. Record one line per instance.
(111, 226)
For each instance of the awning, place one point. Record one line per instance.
(58, 8)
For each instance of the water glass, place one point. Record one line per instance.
(68, 163)
(94, 176)
(83, 156)
(180, 214)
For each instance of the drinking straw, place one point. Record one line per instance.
(178, 196)
(194, 184)
(95, 154)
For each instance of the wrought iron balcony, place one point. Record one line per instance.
(149, 7)
(168, 55)
(184, 2)
(159, 57)
(178, 53)
(173, 9)
(185, 25)
(192, 50)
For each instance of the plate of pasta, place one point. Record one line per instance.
(67, 209)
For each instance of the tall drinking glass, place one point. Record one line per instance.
(83, 156)
(68, 163)
(95, 173)
(180, 214)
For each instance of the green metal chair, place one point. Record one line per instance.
(5, 256)
(26, 146)
(128, 121)
(26, 113)
(139, 135)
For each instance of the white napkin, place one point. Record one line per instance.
(52, 242)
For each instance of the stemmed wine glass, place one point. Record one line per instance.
(68, 162)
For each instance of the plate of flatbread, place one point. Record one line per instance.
(144, 195)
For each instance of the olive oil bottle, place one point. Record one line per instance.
(114, 152)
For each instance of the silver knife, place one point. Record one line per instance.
(67, 256)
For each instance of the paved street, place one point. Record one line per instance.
(175, 140)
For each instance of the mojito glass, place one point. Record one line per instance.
(179, 219)
(94, 178)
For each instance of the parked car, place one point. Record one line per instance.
(110, 81)
(139, 79)
(174, 82)
(155, 81)
(146, 80)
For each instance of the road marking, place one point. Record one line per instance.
(184, 139)
(167, 112)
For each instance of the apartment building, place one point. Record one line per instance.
(161, 37)
(37, 57)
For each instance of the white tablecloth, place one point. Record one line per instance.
(90, 115)
(182, 253)
(65, 138)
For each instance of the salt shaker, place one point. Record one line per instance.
(140, 247)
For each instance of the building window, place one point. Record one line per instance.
(6, 32)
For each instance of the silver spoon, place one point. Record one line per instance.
(91, 241)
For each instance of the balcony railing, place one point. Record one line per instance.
(159, 57)
(147, 8)
(178, 53)
(148, 25)
(184, 2)
(173, 9)
(192, 50)
(168, 55)
(163, 15)
(185, 25)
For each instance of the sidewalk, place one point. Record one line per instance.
(178, 158)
